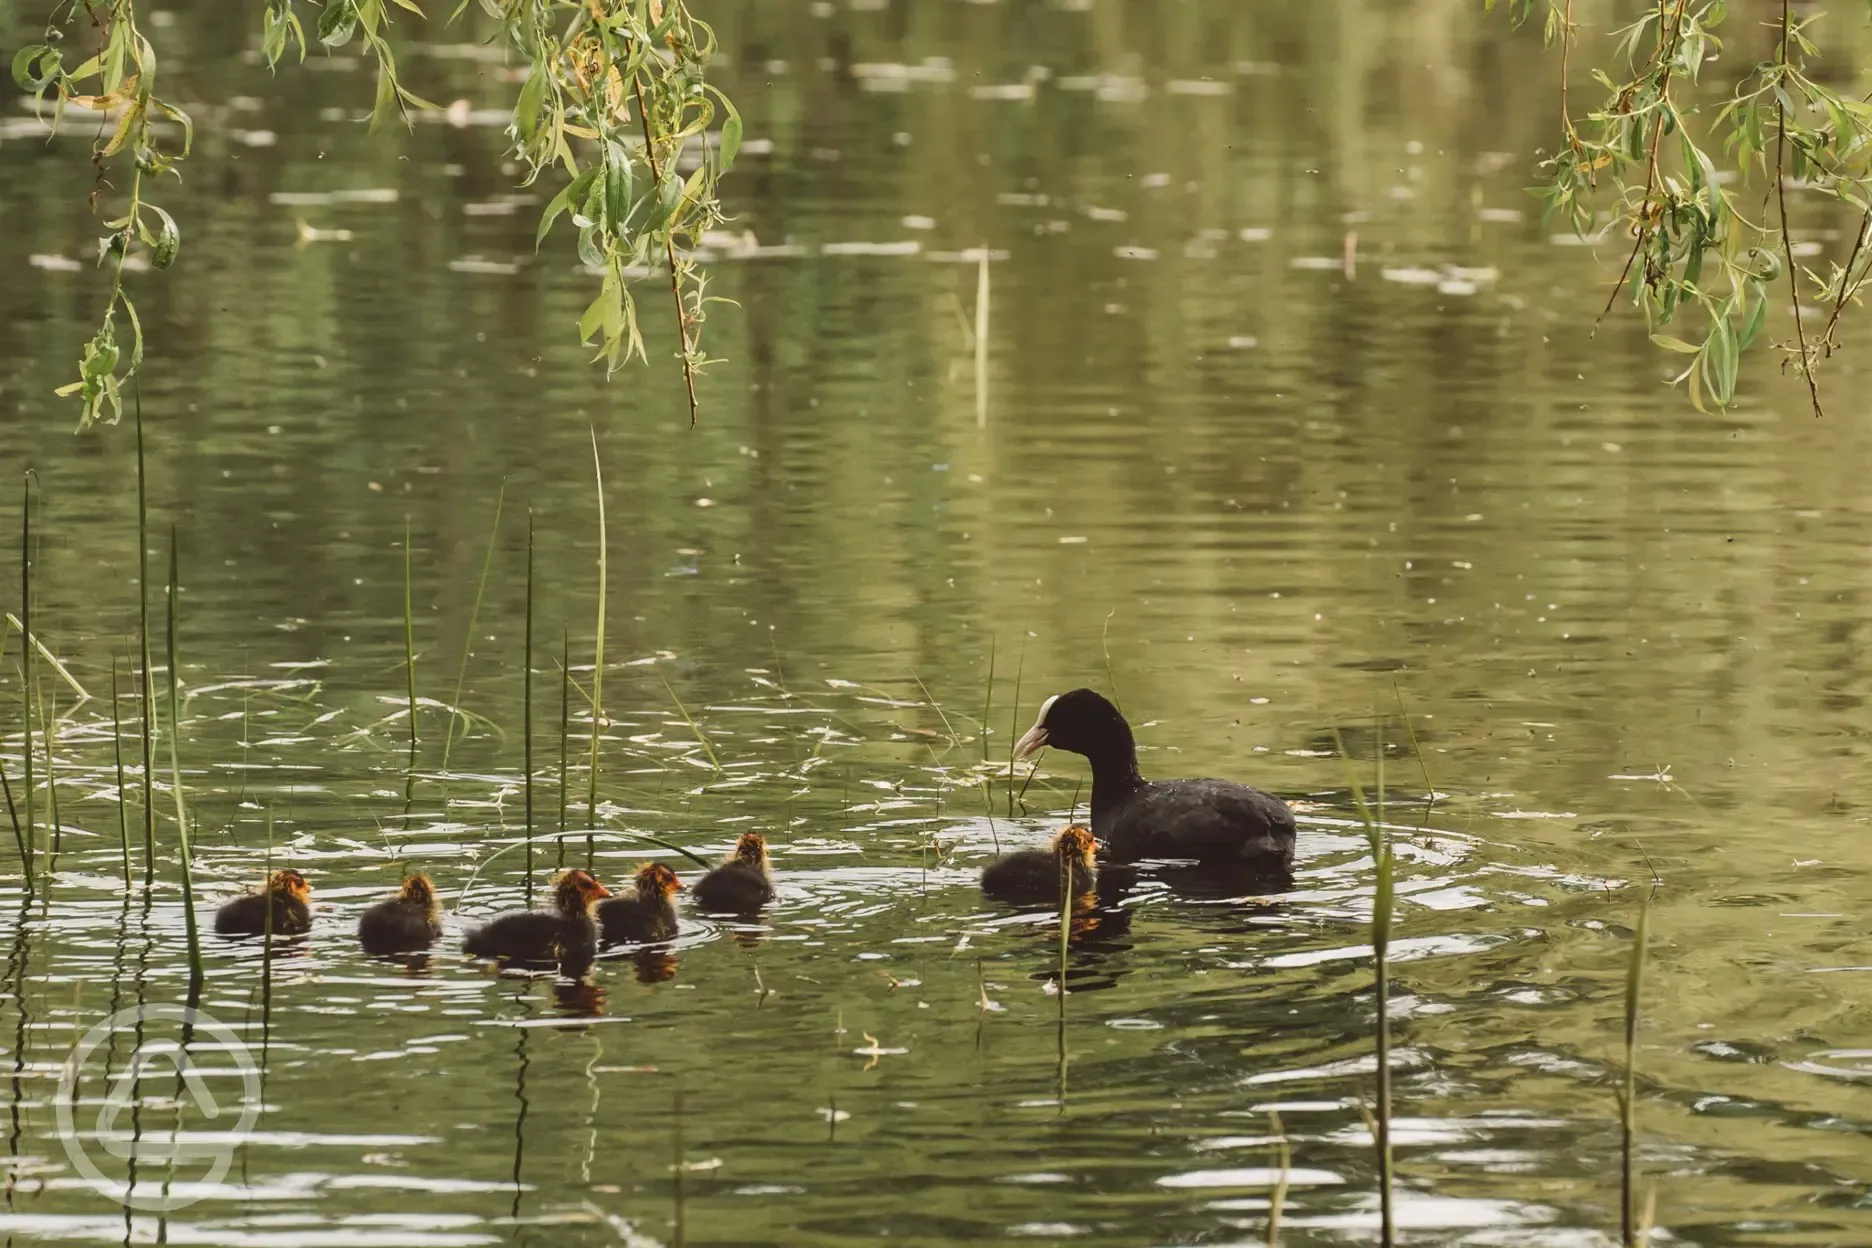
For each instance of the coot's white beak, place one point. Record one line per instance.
(1036, 737)
(1032, 743)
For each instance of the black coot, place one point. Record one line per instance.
(742, 884)
(285, 902)
(1036, 874)
(1216, 821)
(565, 934)
(409, 922)
(647, 915)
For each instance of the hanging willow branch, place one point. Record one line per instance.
(1693, 245)
(615, 103)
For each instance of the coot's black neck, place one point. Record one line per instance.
(1114, 777)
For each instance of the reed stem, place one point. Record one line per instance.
(146, 679)
(55, 832)
(474, 615)
(123, 812)
(597, 698)
(526, 710)
(565, 723)
(1630, 1235)
(409, 651)
(175, 773)
(27, 679)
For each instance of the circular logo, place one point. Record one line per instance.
(176, 1164)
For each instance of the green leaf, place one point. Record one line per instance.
(1719, 360)
(1675, 344)
(386, 92)
(36, 66)
(730, 134)
(563, 200)
(1752, 327)
(338, 24)
(168, 240)
(527, 108)
(617, 175)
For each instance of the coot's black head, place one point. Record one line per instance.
(1080, 722)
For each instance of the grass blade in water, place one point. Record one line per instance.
(597, 700)
(123, 813)
(1630, 1234)
(1379, 842)
(55, 832)
(409, 651)
(526, 709)
(565, 721)
(474, 614)
(146, 680)
(175, 778)
(27, 674)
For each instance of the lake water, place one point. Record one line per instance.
(1290, 423)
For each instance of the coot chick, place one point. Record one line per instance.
(562, 934)
(1216, 821)
(409, 922)
(744, 881)
(1034, 874)
(648, 915)
(286, 896)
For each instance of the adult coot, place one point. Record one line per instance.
(1216, 821)
(742, 884)
(285, 902)
(409, 922)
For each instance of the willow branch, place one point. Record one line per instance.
(669, 252)
(1787, 243)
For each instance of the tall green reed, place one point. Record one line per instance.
(55, 830)
(145, 678)
(409, 652)
(981, 340)
(175, 771)
(474, 616)
(123, 810)
(1631, 1232)
(28, 677)
(1014, 733)
(1378, 838)
(526, 709)
(597, 697)
(565, 724)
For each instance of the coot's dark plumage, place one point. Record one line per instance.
(1217, 821)
(409, 922)
(742, 884)
(1034, 874)
(565, 934)
(286, 895)
(648, 915)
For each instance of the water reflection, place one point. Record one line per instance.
(1282, 406)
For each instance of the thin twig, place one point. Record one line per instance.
(669, 253)
(1787, 243)
(1666, 57)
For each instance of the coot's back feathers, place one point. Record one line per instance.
(1033, 875)
(742, 884)
(647, 915)
(1217, 821)
(1207, 819)
(286, 894)
(409, 922)
(565, 934)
